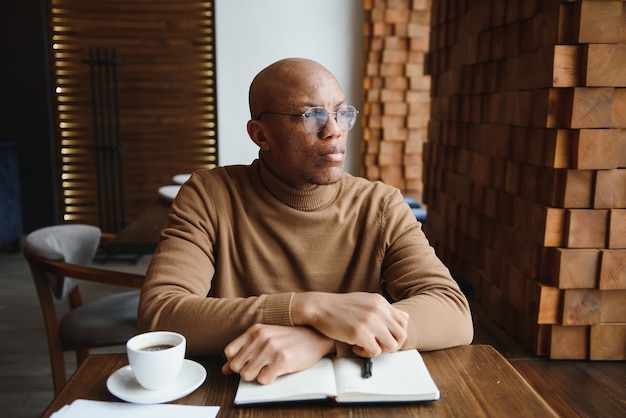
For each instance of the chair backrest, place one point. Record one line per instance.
(72, 243)
(59, 258)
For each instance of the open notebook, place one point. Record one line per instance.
(396, 377)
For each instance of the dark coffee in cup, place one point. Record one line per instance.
(157, 347)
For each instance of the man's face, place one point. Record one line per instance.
(301, 159)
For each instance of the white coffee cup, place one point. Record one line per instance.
(156, 358)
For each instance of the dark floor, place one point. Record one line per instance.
(572, 388)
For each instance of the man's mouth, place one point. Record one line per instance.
(334, 154)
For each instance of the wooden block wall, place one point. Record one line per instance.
(397, 92)
(525, 166)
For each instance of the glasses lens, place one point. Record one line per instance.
(315, 118)
(346, 117)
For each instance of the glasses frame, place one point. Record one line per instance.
(304, 114)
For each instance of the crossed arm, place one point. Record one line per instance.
(431, 313)
(364, 320)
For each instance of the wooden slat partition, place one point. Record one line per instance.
(167, 95)
(525, 166)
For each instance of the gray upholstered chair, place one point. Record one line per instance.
(59, 258)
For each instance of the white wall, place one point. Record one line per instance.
(251, 34)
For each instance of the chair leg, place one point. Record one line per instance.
(57, 363)
(81, 356)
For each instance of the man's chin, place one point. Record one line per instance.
(327, 180)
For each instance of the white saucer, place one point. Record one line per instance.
(181, 178)
(123, 385)
(168, 193)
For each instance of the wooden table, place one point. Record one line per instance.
(573, 388)
(141, 236)
(474, 381)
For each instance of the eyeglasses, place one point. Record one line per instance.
(315, 118)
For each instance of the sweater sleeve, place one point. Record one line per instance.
(420, 284)
(177, 292)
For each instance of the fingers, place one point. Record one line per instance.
(226, 370)
(265, 352)
(241, 356)
(399, 328)
(386, 333)
(385, 343)
(361, 352)
(360, 319)
(264, 374)
(368, 345)
(267, 374)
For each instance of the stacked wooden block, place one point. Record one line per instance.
(525, 166)
(397, 92)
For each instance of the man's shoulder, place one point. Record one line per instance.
(225, 173)
(223, 182)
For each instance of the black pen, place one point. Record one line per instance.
(367, 368)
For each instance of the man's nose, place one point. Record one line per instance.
(331, 128)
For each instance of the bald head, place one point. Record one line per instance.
(297, 156)
(276, 85)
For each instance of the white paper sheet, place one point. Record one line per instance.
(82, 408)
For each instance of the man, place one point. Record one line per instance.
(284, 261)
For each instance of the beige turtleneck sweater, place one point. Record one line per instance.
(240, 243)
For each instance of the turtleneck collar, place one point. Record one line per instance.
(317, 198)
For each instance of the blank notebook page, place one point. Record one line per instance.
(396, 374)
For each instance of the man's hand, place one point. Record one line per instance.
(265, 352)
(365, 320)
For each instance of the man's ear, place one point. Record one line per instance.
(257, 134)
